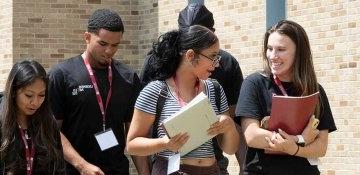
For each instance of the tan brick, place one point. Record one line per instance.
(352, 64)
(352, 25)
(34, 20)
(94, 1)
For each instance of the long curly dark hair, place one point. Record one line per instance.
(167, 51)
(42, 125)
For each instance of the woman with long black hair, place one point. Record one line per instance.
(183, 61)
(30, 138)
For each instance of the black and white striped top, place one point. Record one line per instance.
(147, 101)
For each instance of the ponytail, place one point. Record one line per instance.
(166, 56)
(167, 51)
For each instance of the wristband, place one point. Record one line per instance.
(298, 147)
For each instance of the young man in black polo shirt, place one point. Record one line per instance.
(93, 97)
(228, 74)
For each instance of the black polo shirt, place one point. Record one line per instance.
(255, 102)
(74, 101)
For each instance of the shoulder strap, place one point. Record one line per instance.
(217, 93)
(217, 150)
(159, 107)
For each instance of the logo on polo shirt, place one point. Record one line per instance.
(81, 88)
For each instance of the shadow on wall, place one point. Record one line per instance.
(148, 30)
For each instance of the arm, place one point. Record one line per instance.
(285, 143)
(74, 158)
(232, 111)
(138, 142)
(315, 142)
(142, 163)
(227, 135)
(317, 148)
(254, 135)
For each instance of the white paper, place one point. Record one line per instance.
(106, 139)
(314, 161)
(173, 163)
(195, 119)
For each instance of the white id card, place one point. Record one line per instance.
(106, 139)
(173, 163)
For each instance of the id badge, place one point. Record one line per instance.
(106, 139)
(173, 163)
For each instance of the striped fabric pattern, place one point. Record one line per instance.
(147, 101)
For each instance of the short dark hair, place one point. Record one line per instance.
(105, 19)
(196, 14)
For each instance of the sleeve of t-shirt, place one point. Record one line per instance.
(326, 118)
(224, 104)
(148, 97)
(234, 89)
(136, 91)
(248, 103)
(144, 72)
(57, 92)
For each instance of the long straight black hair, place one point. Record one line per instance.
(42, 125)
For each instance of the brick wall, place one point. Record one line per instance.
(149, 28)
(51, 31)
(5, 40)
(334, 32)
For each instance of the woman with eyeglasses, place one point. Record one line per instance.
(183, 61)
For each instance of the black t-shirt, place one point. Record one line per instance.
(74, 101)
(228, 74)
(17, 148)
(255, 102)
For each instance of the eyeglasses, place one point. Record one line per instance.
(215, 60)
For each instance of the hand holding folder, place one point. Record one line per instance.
(195, 119)
(291, 114)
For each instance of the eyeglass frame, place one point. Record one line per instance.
(214, 60)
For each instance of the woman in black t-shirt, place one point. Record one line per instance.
(288, 71)
(30, 139)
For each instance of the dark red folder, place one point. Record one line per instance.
(292, 114)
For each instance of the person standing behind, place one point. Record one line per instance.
(289, 71)
(228, 74)
(93, 98)
(30, 138)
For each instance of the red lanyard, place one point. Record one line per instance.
(279, 84)
(97, 92)
(29, 153)
(180, 100)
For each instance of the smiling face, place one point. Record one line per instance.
(30, 98)
(102, 47)
(207, 61)
(281, 55)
